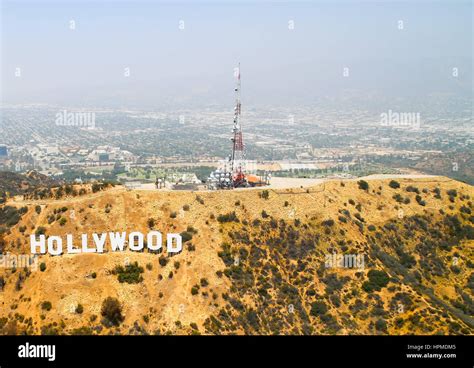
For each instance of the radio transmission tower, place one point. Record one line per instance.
(237, 158)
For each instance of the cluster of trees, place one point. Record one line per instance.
(363, 185)
(377, 280)
(130, 274)
(58, 192)
(188, 234)
(400, 199)
(228, 217)
(420, 200)
(10, 216)
(111, 312)
(65, 191)
(394, 184)
(96, 187)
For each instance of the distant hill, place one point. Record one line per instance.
(254, 262)
(459, 166)
(14, 183)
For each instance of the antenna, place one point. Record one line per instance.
(237, 141)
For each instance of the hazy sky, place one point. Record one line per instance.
(173, 66)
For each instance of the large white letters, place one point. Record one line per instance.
(34, 244)
(136, 242)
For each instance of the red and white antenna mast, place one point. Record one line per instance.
(238, 144)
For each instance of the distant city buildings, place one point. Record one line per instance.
(278, 138)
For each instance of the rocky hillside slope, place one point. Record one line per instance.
(254, 262)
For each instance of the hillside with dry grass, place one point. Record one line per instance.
(254, 261)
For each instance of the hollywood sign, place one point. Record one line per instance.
(117, 240)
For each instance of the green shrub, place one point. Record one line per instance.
(40, 231)
(84, 330)
(394, 184)
(229, 217)
(412, 189)
(381, 325)
(265, 194)
(363, 185)
(112, 311)
(131, 273)
(377, 280)
(46, 306)
(186, 236)
(191, 229)
(204, 282)
(318, 308)
(328, 223)
(151, 223)
(452, 193)
(420, 201)
(398, 198)
(163, 261)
